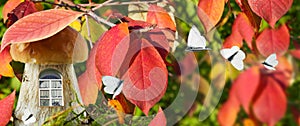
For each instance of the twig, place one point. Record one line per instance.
(99, 19)
(101, 5)
(119, 3)
(89, 32)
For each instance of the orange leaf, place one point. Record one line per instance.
(118, 108)
(273, 41)
(228, 111)
(5, 68)
(270, 10)
(248, 122)
(270, 106)
(157, 15)
(210, 12)
(39, 25)
(159, 119)
(6, 108)
(8, 7)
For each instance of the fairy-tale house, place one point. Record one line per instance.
(49, 84)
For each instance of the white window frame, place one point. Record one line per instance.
(50, 88)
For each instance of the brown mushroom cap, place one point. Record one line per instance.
(65, 47)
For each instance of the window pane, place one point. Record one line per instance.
(56, 102)
(44, 102)
(56, 93)
(44, 93)
(56, 84)
(44, 84)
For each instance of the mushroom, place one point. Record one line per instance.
(49, 83)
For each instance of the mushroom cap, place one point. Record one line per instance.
(65, 47)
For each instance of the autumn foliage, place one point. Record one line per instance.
(140, 53)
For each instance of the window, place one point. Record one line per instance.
(50, 88)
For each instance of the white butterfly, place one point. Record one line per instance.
(113, 85)
(271, 62)
(235, 56)
(196, 42)
(28, 117)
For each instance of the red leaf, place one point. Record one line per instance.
(244, 27)
(5, 68)
(159, 119)
(157, 15)
(210, 12)
(245, 89)
(20, 11)
(6, 108)
(9, 6)
(112, 49)
(270, 106)
(229, 110)
(146, 80)
(295, 53)
(241, 29)
(39, 25)
(270, 10)
(253, 18)
(88, 88)
(273, 41)
(234, 39)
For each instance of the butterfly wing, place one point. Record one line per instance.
(237, 61)
(226, 53)
(272, 60)
(28, 118)
(269, 67)
(195, 39)
(111, 83)
(118, 91)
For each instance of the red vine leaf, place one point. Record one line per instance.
(23, 9)
(270, 10)
(253, 18)
(9, 6)
(39, 25)
(273, 41)
(241, 29)
(112, 49)
(210, 12)
(270, 106)
(159, 119)
(245, 89)
(146, 79)
(157, 15)
(6, 108)
(5, 67)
